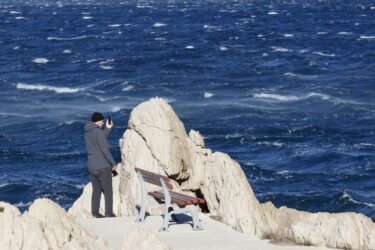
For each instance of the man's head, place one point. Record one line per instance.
(98, 119)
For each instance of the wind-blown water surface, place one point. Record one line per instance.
(286, 88)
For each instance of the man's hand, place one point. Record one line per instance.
(114, 167)
(108, 125)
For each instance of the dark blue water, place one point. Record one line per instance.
(286, 88)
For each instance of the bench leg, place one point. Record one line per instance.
(166, 219)
(196, 224)
(142, 214)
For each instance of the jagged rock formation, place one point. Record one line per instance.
(45, 226)
(156, 140)
(143, 239)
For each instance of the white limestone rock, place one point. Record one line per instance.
(341, 230)
(156, 140)
(164, 134)
(8, 220)
(45, 226)
(141, 238)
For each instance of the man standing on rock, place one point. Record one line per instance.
(100, 163)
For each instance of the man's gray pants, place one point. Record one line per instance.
(101, 180)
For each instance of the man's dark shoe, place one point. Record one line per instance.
(110, 215)
(98, 216)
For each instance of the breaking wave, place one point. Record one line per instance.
(288, 98)
(40, 87)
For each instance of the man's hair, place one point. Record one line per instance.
(97, 117)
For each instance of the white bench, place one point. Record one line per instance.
(174, 202)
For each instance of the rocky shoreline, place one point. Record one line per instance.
(156, 140)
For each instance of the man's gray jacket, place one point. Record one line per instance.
(98, 154)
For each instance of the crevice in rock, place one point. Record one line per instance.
(203, 206)
(175, 178)
(152, 126)
(153, 156)
(195, 144)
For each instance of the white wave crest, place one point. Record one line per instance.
(4, 185)
(157, 24)
(366, 37)
(323, 54)
(54, 38)
(79, 186)
(280, 49)
(128, 88)
(115, 109)
(115, 25)
(272, 12)
(105, 64)
(47, 88)
(276, 144)
(288, 98)
(212, 27)
(106, 67)
(351, 199)
(41, 60)
(208, 95)
(300, 76)
(92, 60)
(189, 47)
(344, 33)
(107, 61)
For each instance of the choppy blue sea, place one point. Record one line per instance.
(286, 88)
